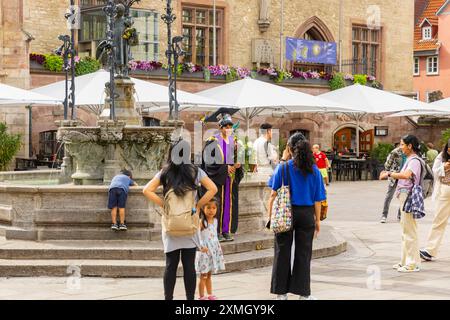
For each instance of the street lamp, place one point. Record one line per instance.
(111, 11)
(173, 51)
(72, 17)
(63, 51)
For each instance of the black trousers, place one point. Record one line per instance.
(170, 274)
(297, 280)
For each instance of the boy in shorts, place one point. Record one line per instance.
(117, 198)
(322, 162)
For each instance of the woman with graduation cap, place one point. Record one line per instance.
(221, 165)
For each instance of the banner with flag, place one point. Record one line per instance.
(301, 50)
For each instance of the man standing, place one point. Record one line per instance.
(266, 156)
(393, 163)
(220, 163)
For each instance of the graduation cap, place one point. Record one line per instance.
(222, 116)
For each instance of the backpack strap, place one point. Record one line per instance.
(422, 171)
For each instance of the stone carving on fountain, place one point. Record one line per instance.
(143, 151)
(98, 153)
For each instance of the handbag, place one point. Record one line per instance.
(281, 219)
(323, 210)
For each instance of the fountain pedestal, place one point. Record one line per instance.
(124, 102)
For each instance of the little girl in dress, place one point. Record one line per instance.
(211, 261)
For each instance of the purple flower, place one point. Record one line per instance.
(243, 72)
(348, 76)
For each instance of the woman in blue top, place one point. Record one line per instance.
(307, 191)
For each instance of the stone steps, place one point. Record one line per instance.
(120, 268)
(136, 258)
(115, 249)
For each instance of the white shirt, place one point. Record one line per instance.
(264, 153)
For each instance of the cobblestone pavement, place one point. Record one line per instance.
(363, 272)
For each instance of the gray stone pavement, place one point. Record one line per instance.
(363, 272)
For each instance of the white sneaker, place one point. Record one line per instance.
(282, 297)
(383, 219)
(307, 298)
(396, 266)
(407, 269)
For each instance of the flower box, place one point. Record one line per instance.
(156, 73)
(36, 66)
(192, 75)
(314, 82)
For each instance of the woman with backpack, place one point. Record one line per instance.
(180, 180)
(441, 197)
(409, 191)
(307, 191)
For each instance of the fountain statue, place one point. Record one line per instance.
(96, 154)
(115, 54)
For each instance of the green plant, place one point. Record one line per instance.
(231, 75)
(445, 137)
(435, 96)
(282, 145)
(179, 69)
(381, 152)
(377, 85)
(206, 74)
(360, 78)
(337, 82)
(9, 145)
(53, 63)
(86, 65)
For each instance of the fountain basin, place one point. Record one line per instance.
(71, 212)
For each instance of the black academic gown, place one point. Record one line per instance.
(217, 170)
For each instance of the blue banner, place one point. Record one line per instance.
(301, 50)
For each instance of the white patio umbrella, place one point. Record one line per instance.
(436, 114)
(254, 97)
(444, 103)
(13, 96)
(10, 95)
(90, 93)
(367, 100)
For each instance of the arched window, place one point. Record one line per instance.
(313, 29)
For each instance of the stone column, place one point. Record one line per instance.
(67, 166)
(124, 102)
(111, 133)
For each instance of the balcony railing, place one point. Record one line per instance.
(359, 66)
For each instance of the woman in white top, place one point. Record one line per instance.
(441, 198)
(181, 176)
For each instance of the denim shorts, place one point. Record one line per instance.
(117, 198)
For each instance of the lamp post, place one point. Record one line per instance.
(64, 52)
(173, 51)
(72, 17)
(111, 11)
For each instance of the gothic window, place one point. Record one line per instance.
(198, 33)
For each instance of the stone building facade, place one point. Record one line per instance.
(241, 25)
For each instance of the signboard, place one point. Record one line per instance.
(301, 50)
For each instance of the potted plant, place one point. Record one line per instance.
(379, 155)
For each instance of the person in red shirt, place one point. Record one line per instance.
(322, 162)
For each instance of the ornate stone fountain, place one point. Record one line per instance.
(96, 154)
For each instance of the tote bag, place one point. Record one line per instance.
(281, 220)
